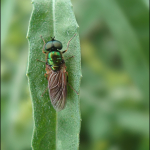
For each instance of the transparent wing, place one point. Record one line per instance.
(58, 89)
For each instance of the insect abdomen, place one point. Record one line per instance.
(54, 59)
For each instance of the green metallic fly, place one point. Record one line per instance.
(56, 73)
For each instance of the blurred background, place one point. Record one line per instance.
(115, 66)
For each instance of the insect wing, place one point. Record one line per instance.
(57, 89)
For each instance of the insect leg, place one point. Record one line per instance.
(73, 89)
(45, 75)
(70, 85)
(44, 62)
(68, 43)
(69, 58)
(44, 91)
(43, 45)
(41, 61)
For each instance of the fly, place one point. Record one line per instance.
(56, 73)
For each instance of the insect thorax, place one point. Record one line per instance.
(55, 60)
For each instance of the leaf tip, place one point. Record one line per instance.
(32, 2)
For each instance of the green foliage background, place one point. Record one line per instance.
(114, 89)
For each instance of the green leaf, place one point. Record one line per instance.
(54, 130)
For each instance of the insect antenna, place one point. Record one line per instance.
(53, 38)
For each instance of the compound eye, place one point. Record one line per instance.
(49, 45)
(57, 44)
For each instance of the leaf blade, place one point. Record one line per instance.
(51, 127)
